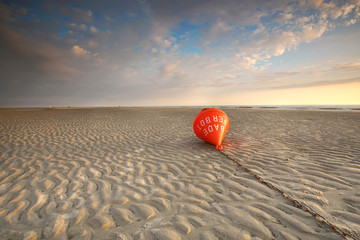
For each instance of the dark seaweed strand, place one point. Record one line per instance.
(296, 203)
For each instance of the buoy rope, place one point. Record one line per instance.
(296, 203)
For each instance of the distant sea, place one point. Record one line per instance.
(296, 107)
(275, 107)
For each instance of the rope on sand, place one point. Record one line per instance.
(297, 204)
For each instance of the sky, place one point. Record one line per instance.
(179, 53)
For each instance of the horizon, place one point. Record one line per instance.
(263, 106)
(179, 53)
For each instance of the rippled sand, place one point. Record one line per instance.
(141, 173)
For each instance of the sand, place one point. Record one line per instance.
(141, 173)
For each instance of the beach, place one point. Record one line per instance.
(141, 173)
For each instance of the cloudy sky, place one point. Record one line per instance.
(160, 52)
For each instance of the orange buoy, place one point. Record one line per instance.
(211, 125)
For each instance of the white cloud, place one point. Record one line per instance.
(169, 68)
(163, 42)
(249, 61)
(158, 62)
(311, 31)
(278, 51)
(303, 20)
(346, 9)
(315, 3)
(217, 29)
(83, 27)
(347, 67)
(283, 17)
(332, 11)
(259, 29)
(78, 27)
(93, 29)
(80, 52)
(350, 22)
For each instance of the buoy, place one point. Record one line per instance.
(211, 125)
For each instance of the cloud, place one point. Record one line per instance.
(82, 15)
(283, 17)
(320, 83)
(217, 29)
(25, 61)
(163, 42)
(350, 22)
(154, 46)
(5, 13)
(228, 27)
(9, 14)
(169, 68)
(80, 52)
(310, 32)
(310, 76)
(93, 29)
(315, 3)
(347, 67)
(78, 27)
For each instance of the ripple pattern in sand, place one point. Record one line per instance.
(314, 156)
(132, 173)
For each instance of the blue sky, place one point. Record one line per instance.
(110, 53)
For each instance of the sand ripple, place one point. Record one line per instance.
(132, 173)
(312, 156)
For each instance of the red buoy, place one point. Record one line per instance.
(211, 125)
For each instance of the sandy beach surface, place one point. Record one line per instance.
(141, 173)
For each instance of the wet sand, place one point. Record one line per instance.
(141, 173)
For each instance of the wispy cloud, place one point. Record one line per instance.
(23, 56)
